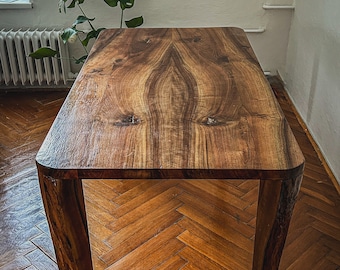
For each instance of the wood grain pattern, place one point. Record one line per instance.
(169, 103)
(64, 201)
(164, 100)
(25, 118)
(275, 208)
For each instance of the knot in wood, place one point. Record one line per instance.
(211, 121)
(129, 120)
(197, 39)
(223, 59)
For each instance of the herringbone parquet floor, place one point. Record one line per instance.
(145, 225)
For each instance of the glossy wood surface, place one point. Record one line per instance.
(171, 103)
(217, 217)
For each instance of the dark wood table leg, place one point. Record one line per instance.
(65, 210)
(275, 207)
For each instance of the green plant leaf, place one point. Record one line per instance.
(99, 30)
(43, 52)
(68, 32)
(135, 22)
(126, 4)
(111, 3)
(90, 35)
(73, 3)
(80, 60)
(81, 19)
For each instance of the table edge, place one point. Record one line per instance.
(185, 173)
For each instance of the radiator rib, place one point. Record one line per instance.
(17, 68)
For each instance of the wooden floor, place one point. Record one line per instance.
(144, 225)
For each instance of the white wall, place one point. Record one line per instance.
(270, 46)
(313, 60)
(312, 73)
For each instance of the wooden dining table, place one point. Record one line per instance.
(170, 103)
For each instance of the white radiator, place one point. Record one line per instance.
(17, 68)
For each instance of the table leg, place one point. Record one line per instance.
(65, 210)
(275, 207)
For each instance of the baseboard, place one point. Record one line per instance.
(311, 139)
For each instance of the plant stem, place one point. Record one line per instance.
(86, 17)
(121, 19)
(82, 44)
